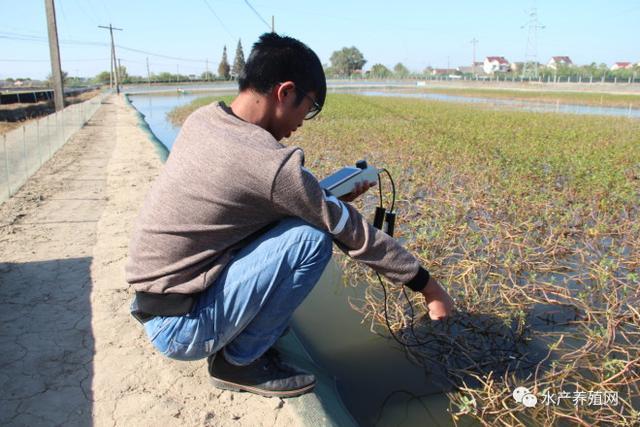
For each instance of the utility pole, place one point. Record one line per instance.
(111, 70)
(273, 24)
(207, 69)
(530, 68)
(148, 73)
(113, 56)
(54, 50)
(474, 42)
(116, 75)
(177, 72)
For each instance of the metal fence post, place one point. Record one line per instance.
(38, 140)
(6, 163)
(62, 126)
(48, 138)
(24, 151)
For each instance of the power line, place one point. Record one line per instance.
(257, 14)
(218, 18)
(84, 12)
(47, 60)
(27, 37)
(160, 55)
(64, 16)
(94, 10)
(106, 9)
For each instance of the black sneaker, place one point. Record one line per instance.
(266, 376)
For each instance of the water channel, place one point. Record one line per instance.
(375, 379)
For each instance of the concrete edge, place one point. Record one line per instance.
(161, 149)
(323, 407)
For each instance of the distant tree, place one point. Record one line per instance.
(347, 60)
(400, 70)
(136, 79)
(238, 63)
(564, 70)
(9, 80)
(224, 68)
(166, 77)
(49, 82)
(379, 71)
(329, 71)
(75, 81)
(623, 73)
(207, 75)
(123, 75)
(102, 78)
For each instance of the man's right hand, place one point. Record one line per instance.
(439, 302)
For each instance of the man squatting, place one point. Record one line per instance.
(235, 232)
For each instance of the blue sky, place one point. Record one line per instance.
(416, 33)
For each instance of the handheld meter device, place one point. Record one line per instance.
(344, 180)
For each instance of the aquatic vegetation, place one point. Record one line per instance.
(531, 220)
(532, 223)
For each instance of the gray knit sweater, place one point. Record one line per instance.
(226, 180)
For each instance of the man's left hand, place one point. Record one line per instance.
(361, 188)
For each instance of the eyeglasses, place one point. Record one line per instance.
(315, 108)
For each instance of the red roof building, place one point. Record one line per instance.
(493, 64)
(621, 66)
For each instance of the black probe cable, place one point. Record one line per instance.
(393, 190)
(404, 292)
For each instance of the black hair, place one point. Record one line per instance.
(275, 59)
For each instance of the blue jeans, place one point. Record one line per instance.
(250, 304)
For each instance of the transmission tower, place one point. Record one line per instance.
(530, 67)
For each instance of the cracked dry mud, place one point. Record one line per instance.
(70, 354)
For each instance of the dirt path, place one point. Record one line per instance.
(70, 353)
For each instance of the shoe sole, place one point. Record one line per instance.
(226, 385)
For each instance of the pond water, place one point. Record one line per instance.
(155, 109)
(512, 104)
(374, 375)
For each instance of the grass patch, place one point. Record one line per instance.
(178, 115)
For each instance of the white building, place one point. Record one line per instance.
(559, 60)
(621, 66)
(493, 64)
